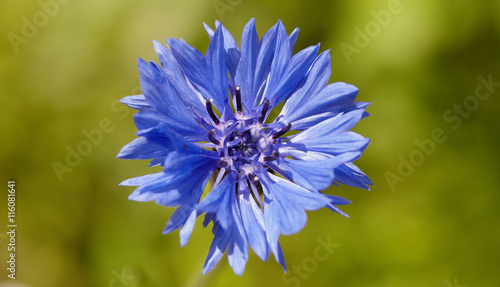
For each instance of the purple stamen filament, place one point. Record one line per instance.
(208, 105)
(239, 106)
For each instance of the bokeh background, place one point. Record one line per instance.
(433, 224)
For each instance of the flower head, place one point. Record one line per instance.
(203, 116)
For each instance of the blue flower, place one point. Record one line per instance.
(204, 116)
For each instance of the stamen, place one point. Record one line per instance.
(239, 107)
(208, 105)
(223, 163)
(253, 178)
(283, 131)
(273, 156)
(264, 111)
(211, 137)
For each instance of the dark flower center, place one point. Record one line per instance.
(244, 142)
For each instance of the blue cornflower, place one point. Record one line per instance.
(203, 116)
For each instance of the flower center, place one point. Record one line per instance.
(244, 143)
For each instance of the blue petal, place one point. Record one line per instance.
(193, 65)
(330, 137)
(246, 68)
(158, 92)
(337, 210)
(332, 100)
(218, 200)
(225, 215)
(359, 105)
(280, 258)
(193, 186)
(190, 97)
(163, 98)
(157, 161)
(217, 67)
(209, 30)
(187, 228)
(140, 148)
(208, 218)
(217, 248)
(186, 162)
(285, 205)
(230, 45)
(142, 197)
(137, 102)
(345, 142)
(238, 247)
(152, 85)
(292, 217)
(263, 64)
(253, 221)
(148, 118)
(163, 135)
(179, 217)
(237, 255)
(279, 63)
(337, 97)
(317, 78)
(337, 200)
(293, 39)
(349, 174)
(304, 198)
(136, 181)
(272, 220)
(158, 135)
(137, 195)
(177, 184)
(295, 72)
(315, 175)
(233, 54)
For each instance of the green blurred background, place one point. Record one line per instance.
(434, 224)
